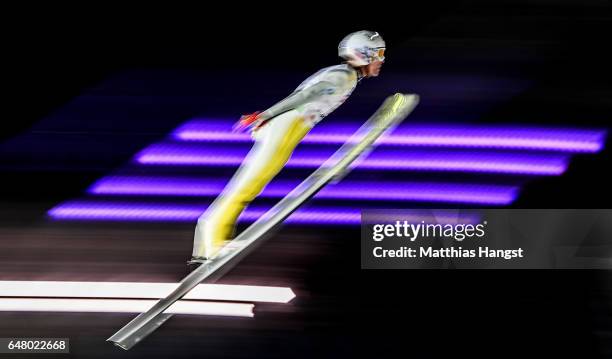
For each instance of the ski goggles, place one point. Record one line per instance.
(378, 54)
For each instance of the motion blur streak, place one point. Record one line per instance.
(122, 306)
(445, 135)
(130, 211)
(413, 159)
(224, 292)
(349, 189)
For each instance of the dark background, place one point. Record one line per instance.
(558, 47)
(557, 51)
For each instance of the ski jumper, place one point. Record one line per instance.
(280, 129)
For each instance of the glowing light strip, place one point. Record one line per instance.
(349, 189)
(446, 135)
(130, 211)
(122, 306)
(405, 160)
(224, 292)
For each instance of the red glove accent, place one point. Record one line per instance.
(246, 121)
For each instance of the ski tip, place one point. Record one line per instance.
(410, 97)
(407, 101)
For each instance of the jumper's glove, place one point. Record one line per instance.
(252, 121)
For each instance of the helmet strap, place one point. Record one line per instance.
(361, 72)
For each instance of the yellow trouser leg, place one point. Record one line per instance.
(274, 145)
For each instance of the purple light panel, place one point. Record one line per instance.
(426, 147)
(451, 135)
(346, 190)
(129, 211)
(405, 160)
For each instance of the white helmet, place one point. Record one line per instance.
(362, 47)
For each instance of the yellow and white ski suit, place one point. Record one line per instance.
(286, 124)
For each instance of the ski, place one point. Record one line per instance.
(391, 113)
